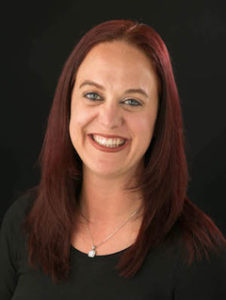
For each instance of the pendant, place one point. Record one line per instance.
(92, 252)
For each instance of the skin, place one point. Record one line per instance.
(117, 66)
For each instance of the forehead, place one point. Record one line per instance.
(117, 61)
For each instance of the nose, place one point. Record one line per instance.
(110, 115)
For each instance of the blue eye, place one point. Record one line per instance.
(92, 96)
(132, 102)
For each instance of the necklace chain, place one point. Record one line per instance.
(92, 252)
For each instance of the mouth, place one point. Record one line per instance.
(108, 143)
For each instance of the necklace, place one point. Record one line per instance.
(93, 252)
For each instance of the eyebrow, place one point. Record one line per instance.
(89, 82)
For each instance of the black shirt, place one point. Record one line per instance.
(163, 275)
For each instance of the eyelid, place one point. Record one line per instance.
(140, 102)
(137, 100)
(92, 92)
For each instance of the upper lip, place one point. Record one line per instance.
(109, 136)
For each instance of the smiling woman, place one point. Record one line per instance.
(111, 218)
(123, 76)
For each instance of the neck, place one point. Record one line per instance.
(103, 200)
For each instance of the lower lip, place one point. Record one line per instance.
(107, 149)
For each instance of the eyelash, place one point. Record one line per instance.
(92, 93)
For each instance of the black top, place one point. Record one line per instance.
(162, 276)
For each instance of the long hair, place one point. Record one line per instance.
(163, 183)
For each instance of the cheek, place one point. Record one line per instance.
(79, 121)
(75, 130)
(143, 127)
(80, 117)
(143, 130)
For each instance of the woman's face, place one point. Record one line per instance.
(113, 109)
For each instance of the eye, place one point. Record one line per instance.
(132, 102)
(92, 96)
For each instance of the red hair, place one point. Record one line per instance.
(163, 184)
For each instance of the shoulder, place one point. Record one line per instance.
(17, 211)
(204, 278)
(20, 206)
(12, 238)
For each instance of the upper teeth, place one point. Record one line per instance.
(112, 142)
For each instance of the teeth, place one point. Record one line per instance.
(111, 143)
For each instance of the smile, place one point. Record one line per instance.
(110, 144)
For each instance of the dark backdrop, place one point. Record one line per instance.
(36, 39)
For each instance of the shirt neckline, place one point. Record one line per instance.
(96, 258)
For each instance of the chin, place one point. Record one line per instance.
(105, 172)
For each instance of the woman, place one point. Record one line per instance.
(110, 218)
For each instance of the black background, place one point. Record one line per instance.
(36, 39)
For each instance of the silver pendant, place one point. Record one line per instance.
(92, 252)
